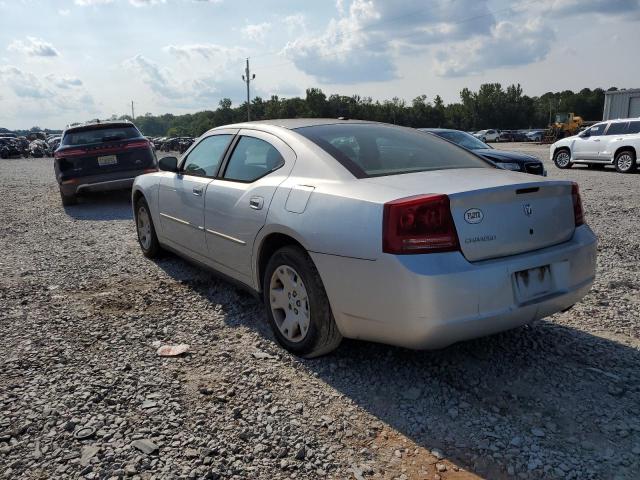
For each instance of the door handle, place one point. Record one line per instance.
(596, 139)
(256, 203)
(197, 191)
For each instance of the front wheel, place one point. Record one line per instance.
(297, 305)
(625, 161)
(562, 159)
(147, 237)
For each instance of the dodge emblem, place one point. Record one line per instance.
(527, 209)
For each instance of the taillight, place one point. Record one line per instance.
(137, 144)
(420, 224)
(578, 212)
(72, 152)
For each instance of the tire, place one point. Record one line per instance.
(625, 161)
(297, 305)
(562, 159)
(68, 200)
(146, 231)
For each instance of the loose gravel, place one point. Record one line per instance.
(83, 393)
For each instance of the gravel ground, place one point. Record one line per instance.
(84, 395)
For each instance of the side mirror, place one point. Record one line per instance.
(168, 164)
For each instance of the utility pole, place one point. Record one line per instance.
(133, 116)
(247, 77)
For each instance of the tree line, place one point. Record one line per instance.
(492, 106)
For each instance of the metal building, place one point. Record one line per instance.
(621, 104)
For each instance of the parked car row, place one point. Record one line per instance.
(14, 146)
(172, 144)
(494, 135)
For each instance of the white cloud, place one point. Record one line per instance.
(64, 12)
(207, 51)
(362, 43)
(509, 45)
(45, 93)
(33, 47)
(145, 3)
(295, 22)
(87, 3)
(64, 81)
(565, 8)
(163, 82)
(256, 32)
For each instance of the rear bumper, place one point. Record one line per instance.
(102, 182)
(431, 301)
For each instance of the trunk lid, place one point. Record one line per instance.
(507, 220)
(496, 213)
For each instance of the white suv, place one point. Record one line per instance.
(616, 142)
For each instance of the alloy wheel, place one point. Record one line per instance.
(625, 162)
(562, 159)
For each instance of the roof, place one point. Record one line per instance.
(292, 123)
(105, 124)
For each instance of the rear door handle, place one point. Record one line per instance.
(197, 191)
(256, 203)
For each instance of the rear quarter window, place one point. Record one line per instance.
(617, 128)
(634, 127)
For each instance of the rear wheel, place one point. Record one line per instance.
(297, 305)
(625, 161)
(147, 237)
(562, 159)
(68, 200)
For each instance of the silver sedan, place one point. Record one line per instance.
(369, 231)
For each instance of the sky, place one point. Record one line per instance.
(63, 61)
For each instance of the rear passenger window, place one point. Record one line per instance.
(634, 127)
(251, 159)
(205, 157)
(617, 128)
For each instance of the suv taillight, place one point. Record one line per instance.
(420, 224)
(73, 152)
(578, 212)
(137, 144)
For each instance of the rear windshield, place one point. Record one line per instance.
(370, 150)
(99, 135)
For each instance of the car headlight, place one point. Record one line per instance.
(509, 166)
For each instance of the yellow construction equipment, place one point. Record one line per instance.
(565, 125)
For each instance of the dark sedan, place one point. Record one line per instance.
(515, 161)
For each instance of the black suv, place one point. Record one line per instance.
(101, 156)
